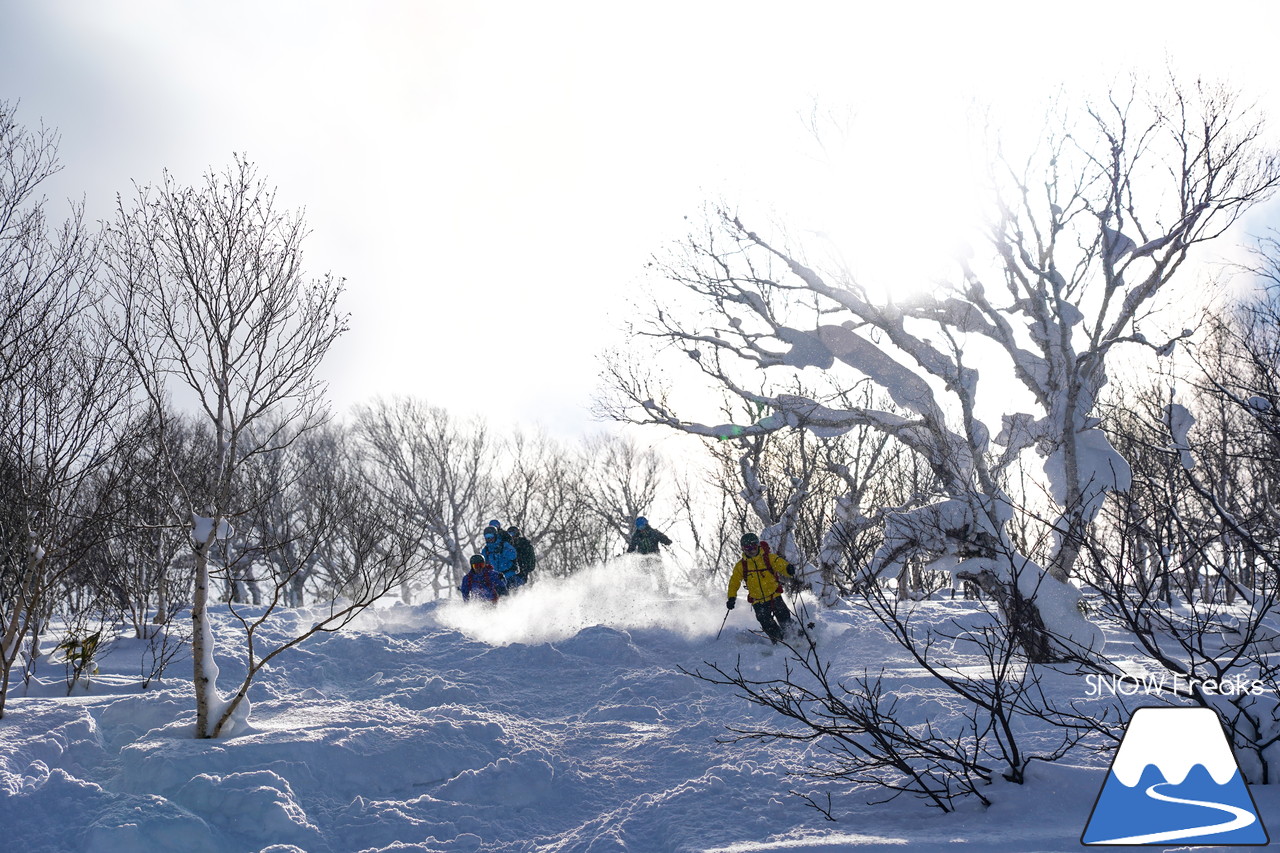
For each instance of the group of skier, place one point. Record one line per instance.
(507, 560)
(504, 564)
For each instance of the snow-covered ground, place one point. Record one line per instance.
(557, 721)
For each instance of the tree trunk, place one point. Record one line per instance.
(202, 643)
(1020, 613)
(23, 614)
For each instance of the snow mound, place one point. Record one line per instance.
(257, 803)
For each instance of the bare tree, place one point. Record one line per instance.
(211, 299)
(306, 490)
(60, 430)
(624, 480)
(865, 734)
(437, 473)
(63, 396)
(325, 527)
(1236, 395)
(544, 489)
(42, 272)
(1201, 595)
(139, 559)
(1086, 234)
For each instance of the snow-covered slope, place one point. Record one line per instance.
(559, 721)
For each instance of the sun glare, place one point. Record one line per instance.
(892, 211)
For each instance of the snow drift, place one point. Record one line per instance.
(556, 721)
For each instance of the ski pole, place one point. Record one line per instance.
(723, 623)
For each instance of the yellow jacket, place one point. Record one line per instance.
(762, 585)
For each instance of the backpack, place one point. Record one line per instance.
(525, 557)
(768, 567)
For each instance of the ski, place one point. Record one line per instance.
(753, 635)
(758, 639)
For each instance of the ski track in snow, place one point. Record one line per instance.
(557, 722)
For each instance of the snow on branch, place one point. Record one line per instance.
(904, 386)
(1179, 421)
(806, 350)
(1115, 245)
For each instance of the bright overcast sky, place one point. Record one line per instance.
(490, 178)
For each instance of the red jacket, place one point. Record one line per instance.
(487, 583)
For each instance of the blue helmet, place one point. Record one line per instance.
(642, 521)
(494, 523)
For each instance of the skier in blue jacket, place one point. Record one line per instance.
(502, 556)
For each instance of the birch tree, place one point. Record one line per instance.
(61, 428)
(1187, 565)
(214, 305)
(1085, 235)
(42, 268)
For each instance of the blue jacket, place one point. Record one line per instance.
(502, 556)
(486, 583)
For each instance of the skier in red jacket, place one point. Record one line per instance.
(483, 580)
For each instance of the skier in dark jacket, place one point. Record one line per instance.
(484, 581)
(765, 575)
(646, 539)
(501, 555)
(526, 559)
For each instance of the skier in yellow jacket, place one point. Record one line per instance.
(764, 574)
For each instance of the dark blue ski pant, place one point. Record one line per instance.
(774, 617)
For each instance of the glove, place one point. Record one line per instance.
(728, 605)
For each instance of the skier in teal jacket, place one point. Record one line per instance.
(502, 556)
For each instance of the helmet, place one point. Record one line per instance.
(477, 560)
(490, 533)
(641, 521)
(494, 523)
(513, 531)
(750, 540)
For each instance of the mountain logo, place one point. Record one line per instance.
(1174, 779)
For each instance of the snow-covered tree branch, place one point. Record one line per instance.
(1084, 236)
